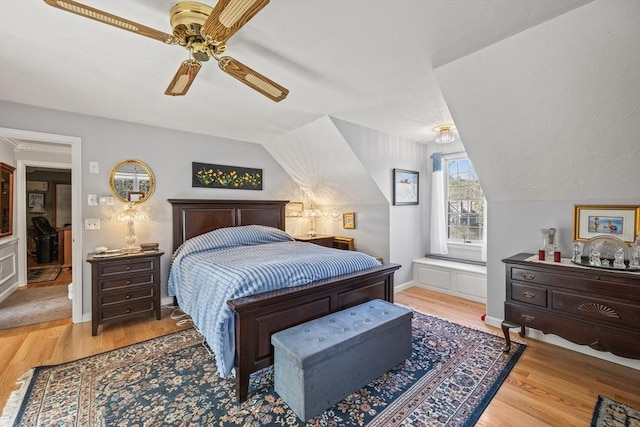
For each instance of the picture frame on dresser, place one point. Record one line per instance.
(621, 221)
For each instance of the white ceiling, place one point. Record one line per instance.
(369, 62)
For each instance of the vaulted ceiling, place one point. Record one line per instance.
(369, 62)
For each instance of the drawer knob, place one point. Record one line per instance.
(128, 310)
(128, 296)
(528, 318)
(528, 294)
(128, 282)
(529, 276)
(128, 267)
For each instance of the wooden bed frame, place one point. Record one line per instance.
(259, 316)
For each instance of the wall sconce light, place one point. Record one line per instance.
(130, 215)
(445, 134)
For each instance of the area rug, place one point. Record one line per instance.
(35, 305)
(43, 274)
(610, 413)
(451, 377)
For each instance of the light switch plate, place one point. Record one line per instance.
(94, 167)
(106, 200)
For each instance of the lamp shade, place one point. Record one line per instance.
(38, 209)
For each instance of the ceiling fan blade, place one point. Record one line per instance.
(252, 78)
(183, 78)
(227, 17)
(109, 19)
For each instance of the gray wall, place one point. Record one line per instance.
(550, 119)
(168, 153)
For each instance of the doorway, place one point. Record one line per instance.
(49, 143)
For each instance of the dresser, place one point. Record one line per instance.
(588, 306)
(124, 286)
(316, 240)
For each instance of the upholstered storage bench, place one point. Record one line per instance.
(320, 362)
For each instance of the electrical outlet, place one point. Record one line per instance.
(92, 224)
(92, 199)
(94, 167)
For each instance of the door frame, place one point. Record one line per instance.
(76, 206)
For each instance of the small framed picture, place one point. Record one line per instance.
(622, 221)
(293, 209)
(405, 187)
(36, 199)
(349, 220)
(135, 196)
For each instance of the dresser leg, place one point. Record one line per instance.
(506, 326)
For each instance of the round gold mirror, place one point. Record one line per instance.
(132, 181)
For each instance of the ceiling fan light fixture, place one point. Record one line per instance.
(253, 79)
(445, 134)
(183, 78)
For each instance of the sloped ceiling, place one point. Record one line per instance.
(553, 113)
(364, 61)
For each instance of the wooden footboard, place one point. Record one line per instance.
(257, 317)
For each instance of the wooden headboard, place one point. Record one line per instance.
(192, 217)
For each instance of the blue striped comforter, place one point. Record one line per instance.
(229, 263)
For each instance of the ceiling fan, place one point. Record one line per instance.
(203, 31)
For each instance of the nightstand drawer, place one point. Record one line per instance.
(126, 266)
(529, 294)
(125, 281)
(132, 295)
(121, 310)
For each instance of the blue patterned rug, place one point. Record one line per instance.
(449, 380)
(610, 413)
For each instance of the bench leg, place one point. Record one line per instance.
(505, 330)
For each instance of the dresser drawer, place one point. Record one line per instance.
(591, 283)
(126, 266)
(128, 295)
(529, 294)
(617, 313)
(124, 281)
(129, 309)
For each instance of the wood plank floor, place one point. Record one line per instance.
(549, 386)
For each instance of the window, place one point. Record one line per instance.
(464, 202)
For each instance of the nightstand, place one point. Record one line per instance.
(124, 286)
(318, 240)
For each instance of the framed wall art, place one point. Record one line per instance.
(349, 220)
(405, 187)
(35, 199)
(293, 209)
(222, 176)
(621, 221)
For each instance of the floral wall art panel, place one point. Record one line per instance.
(222, 176)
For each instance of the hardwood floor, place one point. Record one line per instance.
(549, 386)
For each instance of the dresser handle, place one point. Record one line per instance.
(529, 276)
(128, 296)
(528, 318)
(528, 294)
(128, 282)
(128, 267)
(128, 310)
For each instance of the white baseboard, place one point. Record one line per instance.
(402, 287)
(4, 295)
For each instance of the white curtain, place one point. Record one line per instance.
(438, 212)
(484, 233)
